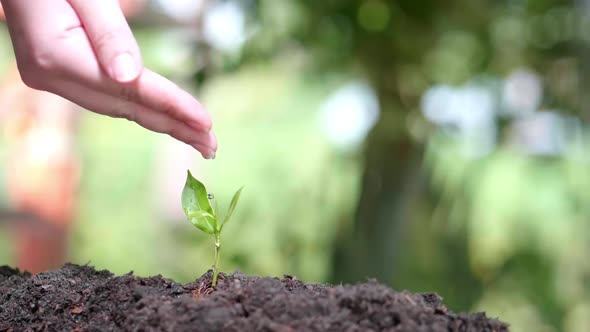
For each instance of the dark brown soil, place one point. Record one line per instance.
(79, 298)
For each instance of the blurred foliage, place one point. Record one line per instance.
(115, 227)
(421, 205)
(291, 204)
(508, 223)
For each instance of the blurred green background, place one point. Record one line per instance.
(434, 145)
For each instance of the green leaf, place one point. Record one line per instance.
(204, 221)
(232, 206)
(195, 203)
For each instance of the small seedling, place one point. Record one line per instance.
(196, 203)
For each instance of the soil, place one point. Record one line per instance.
(79, 298)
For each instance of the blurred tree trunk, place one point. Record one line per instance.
(394, 237)
(390, 180)
(584, 60)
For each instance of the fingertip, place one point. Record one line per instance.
(205, 152)
(213, 141)
(201, 119)
(211, 149)
(125, 68)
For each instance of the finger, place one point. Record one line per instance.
(111, 38)
(150, 89)
(204, 142)
(158, 93)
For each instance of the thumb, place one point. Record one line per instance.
(110, 36)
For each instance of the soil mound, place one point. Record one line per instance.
(79, 298)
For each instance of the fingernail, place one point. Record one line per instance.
(123, 68)
(206, 153)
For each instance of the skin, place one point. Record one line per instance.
(84, 51)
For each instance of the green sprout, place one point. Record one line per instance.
(196, 203)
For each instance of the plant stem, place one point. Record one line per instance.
(216, 264)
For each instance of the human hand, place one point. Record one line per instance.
(85, 52)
